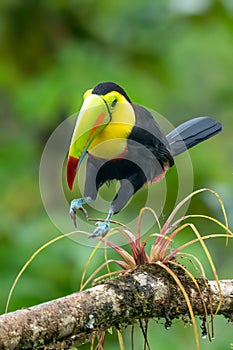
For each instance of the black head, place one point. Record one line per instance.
(105, 87)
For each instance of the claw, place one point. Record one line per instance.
(75, 205)
(84, 211)
(101, 230)
(73, 216)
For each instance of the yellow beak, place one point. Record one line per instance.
(94, 116)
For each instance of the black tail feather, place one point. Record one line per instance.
(191, 133)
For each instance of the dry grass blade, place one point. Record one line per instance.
(110, 274)
(99, 268)
(106, 256)
(82, 283)
(32, 257)
(177, 208)
(194, 258)
(128, 259)
(219, 223)
(198, 289)
(208, 255)
(201, 239)
(120, 340)
(189, 305)
(139, 223)
(162, 246)
(165, 228)
(196, 240)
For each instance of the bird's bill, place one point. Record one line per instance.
(93, 117)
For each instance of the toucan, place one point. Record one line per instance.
(122, 141)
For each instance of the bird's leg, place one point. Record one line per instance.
(124, 194)
(103, 226)
(77, 204)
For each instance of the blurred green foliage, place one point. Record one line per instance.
(172, 56)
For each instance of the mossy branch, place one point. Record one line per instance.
(145, 292)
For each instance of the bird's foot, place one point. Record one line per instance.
(101, 230)
(77, 204)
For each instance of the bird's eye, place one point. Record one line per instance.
(114, 102)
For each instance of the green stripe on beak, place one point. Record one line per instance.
(92, 119)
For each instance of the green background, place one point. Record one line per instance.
(175, 57)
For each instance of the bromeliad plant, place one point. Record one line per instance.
(160, 251)
(160, 254)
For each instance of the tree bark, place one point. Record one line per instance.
(146, 292)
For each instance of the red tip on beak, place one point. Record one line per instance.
(71, 170)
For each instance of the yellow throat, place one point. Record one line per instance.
(111, 142)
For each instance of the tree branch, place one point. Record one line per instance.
(146, 292)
